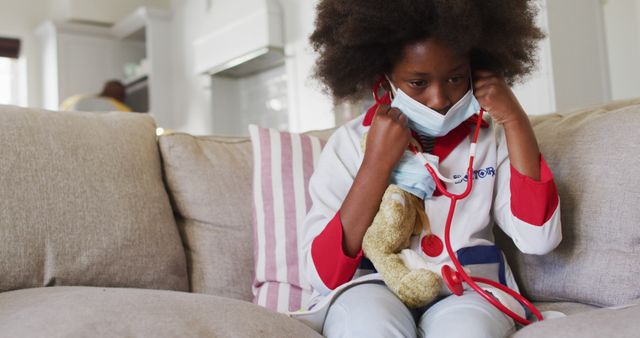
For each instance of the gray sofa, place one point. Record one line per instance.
(106, 230)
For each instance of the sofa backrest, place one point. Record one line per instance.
(593, 154)
(209, 180)
(82, 202)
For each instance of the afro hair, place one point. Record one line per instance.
(358, 41)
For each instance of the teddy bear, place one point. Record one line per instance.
(401, 215)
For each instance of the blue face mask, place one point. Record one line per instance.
(428, 121)
(411, 175)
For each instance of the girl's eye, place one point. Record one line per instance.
(455, 79)
(418, 83)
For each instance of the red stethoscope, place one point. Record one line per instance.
(454, 278)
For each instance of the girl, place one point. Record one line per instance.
(433, 57)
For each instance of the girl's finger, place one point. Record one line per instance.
(382, 109)
(404, 121)
(482, 73)
(394, 113)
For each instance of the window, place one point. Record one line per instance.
(9, 81)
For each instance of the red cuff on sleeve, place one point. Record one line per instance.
(333, 266)
(533, 201)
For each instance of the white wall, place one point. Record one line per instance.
(260, 98)
(622, 27)
(578, 50)
(18, 19)
(537, 93)
(309, 108)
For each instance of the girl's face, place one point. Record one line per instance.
(433, 74)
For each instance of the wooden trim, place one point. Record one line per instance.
(9, 48)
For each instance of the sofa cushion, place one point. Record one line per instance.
(209, 179)
(620, 323)
(568, 308)
(593, 154)
(82, 202)
(116, 312)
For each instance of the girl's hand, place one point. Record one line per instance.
(495, 96)
(386, 141)
(388, 138)
(498, 100)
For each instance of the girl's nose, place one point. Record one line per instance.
(439, 100)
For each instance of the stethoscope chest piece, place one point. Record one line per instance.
(452, 279)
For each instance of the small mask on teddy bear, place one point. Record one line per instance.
(401, 215)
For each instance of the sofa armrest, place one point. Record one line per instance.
(618, 322)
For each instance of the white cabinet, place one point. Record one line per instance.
(79, 58)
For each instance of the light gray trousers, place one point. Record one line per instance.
(372, 310)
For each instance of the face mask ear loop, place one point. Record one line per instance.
(394, 90)
(376, 88)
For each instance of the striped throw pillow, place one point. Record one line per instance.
(283, 164)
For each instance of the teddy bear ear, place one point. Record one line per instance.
(422, 219)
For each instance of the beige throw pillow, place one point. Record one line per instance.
(82, 202)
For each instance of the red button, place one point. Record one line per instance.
(432, 245)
